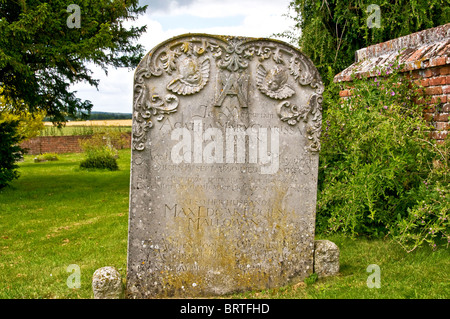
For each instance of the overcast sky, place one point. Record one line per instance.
(165, 19)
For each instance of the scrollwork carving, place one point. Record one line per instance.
(156, 107)
(187, 62)
(231, 58)
(293, 114)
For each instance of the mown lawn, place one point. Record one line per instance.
(422, 274)
(57, 215)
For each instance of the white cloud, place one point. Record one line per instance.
(252, 18)
(164, 5)
(227, 8)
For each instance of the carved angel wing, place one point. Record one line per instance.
(186, 86)
(272, 84)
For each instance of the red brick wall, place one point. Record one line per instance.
(436, 82)
(58, 144)
(426, 62)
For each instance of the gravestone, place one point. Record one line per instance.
(224, 167)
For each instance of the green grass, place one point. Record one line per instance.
(56, 215)
(422, 274)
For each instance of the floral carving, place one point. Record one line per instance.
(232, 59)
(293, 114)
(156, 107)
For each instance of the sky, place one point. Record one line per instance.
(166, 19)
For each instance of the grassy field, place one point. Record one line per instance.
(95, 123)
(57, 215)
(86, 127)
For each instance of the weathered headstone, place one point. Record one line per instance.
(224, 167)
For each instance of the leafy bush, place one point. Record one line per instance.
(100, 153)
(376, 159)
(46, 157)
(428, 221)
(104, 161)
(10, 152)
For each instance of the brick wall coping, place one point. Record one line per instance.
(420, 50)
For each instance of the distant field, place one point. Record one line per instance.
(96, 123)
(86, 127)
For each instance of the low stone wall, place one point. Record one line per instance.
(60, 144)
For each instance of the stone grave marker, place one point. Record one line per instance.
(224, 167)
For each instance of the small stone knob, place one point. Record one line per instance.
(107, 283)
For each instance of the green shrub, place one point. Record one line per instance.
(100, 153)
(10, 151)
(103, 161)
(46, 157)
(428, 221)
(376, 158)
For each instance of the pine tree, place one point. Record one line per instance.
(46, 46)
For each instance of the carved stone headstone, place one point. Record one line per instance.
(224, 167)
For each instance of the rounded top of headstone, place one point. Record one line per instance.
(243, 46)
(190, 64)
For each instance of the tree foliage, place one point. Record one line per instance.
(29, 125)
(15, 127)
(41, 57)
(332, 30)
(10, 152)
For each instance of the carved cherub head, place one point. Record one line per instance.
(273, 83)
(192, 76)
(189, 72)
(276, 78)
